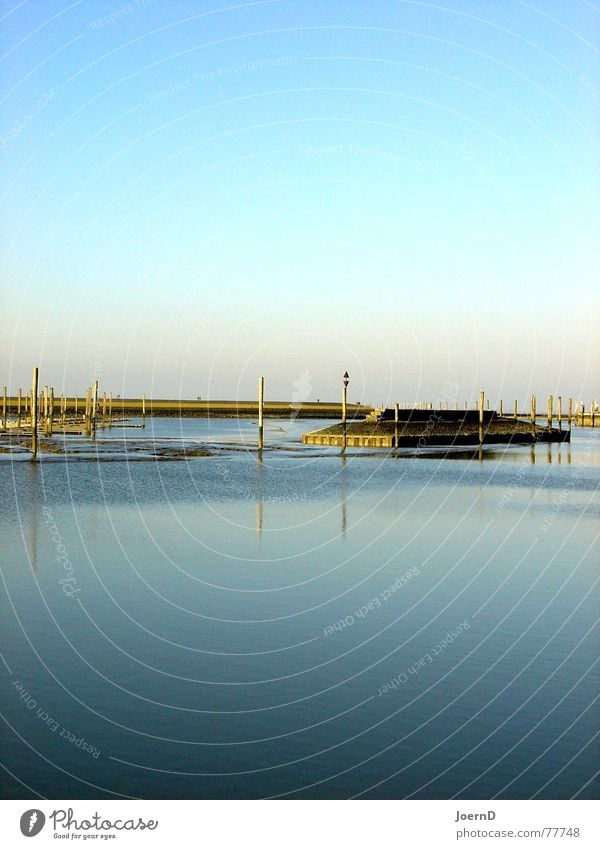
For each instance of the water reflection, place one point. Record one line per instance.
(260, 474)
(33, 516)
(343, 494)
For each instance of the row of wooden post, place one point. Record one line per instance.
(45, 403)
(553, 413)
(484, 404)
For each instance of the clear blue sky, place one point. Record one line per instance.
(198, 192)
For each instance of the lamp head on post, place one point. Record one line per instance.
(345, 381)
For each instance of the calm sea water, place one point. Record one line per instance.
(311, 625)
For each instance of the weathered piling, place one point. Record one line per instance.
(569, 413)
(45, 409)
(396, 420)
(550, 411)
(559, 411)
(261, 402)
(143, 411)
(4, 407)
(110, 410)
(51, 411)
(88, 411)
(593, 412)
(516, 411)
(501, 407)
(481, 406)
(19, 402)
(34, 414)
(533, 413)
(345, 382)
(103, 410)
(94, 407)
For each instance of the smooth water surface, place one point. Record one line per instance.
(301, 624)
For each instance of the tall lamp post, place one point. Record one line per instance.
(345, 381)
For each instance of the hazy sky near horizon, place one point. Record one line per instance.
(197, 193)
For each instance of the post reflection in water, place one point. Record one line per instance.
(260, 471)
(34, 517)
(343, 495)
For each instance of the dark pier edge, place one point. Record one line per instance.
(424, 428)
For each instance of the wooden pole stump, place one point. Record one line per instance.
(88, 411)
(481, 408)
(94, 408)
(51, 411)
(261, 399)
(45, 408)
(34, 414)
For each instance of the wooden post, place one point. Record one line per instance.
(559, 411)
(582, 415)
(88, 411)
(487, 404)
(110, 410)
(75, 412)
(569, 413)
(51, 411)
(4, 407)
(550, 416)
(501, 408)
(481, 406)
(261, 401)
(465, 405)
(533, 399)
(592, 411)
(103, 410)
(143, 411)
(19, 402)
(45, 397)
(396, 419)
(34, 414)
(516, 413)
(63, 408)
(94, 407)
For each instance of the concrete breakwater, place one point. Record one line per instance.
(421, 428)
